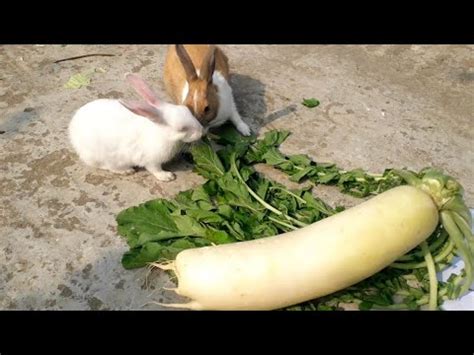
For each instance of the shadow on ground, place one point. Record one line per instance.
(249, 95)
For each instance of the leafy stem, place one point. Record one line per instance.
(258, 198)
(440, 240)
(432, 276)
(288, 192)
(438, 258)
(277, 221)
(461, 246)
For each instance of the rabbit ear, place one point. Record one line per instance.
(209, 65)
(145, 110)
(143, 89)
(186, 62)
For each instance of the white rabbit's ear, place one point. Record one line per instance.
(186, 62)
(143, 89)
(145, 110)
(209, 65)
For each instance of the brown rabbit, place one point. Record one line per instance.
(198, 77)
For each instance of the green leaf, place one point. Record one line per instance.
(301, 174)
(218, 236)
(326, 178)
(323, 307)
(237, 150)
(211, 188)
(262, 188)
(308, 215)
(228, 135)
(185, 243)
(137, 258)
(200, 194)
(285, 202)
(273, 157)
(188, 226)
(77, 81)
(204, 216)
(265, 230)
(301, 160)
(246, 172)
(275, 138)
(202, 198)
(365, 306)
(310, 102)
(237, 234)
(237, 228)
(155, 252)
(225, 210)
(207, 163)
(147, 222)
(170, 252)
(184, 200)
(317, 204)
(230, 184)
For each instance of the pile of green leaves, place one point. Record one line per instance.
(236, 204)
(226, 209)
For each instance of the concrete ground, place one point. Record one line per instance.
(381, 106)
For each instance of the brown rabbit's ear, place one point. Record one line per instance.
(145, 110)
(209, 65)
(142, 88)
(186, 62)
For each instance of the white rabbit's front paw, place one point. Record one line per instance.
(165, 176)
(244, 129)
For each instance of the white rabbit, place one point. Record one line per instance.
(117, 135)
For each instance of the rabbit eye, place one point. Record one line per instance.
(206, 109)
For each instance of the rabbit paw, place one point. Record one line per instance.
(244, 129)
(165, 176)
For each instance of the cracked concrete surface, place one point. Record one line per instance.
(381, 106)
